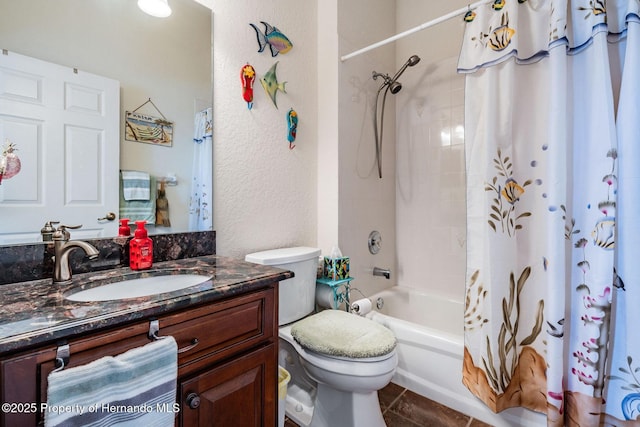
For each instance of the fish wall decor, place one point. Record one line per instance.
(247, 77)
(272, 37)
(271, 85)
(292, 124)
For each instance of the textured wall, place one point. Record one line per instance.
(265, 195)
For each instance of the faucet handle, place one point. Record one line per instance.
(61, 232)
(71, 227)
(48, 230)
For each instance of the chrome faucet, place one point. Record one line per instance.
(385, 272)
(62, 248)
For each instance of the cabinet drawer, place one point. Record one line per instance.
(221, 330)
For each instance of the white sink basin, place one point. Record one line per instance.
(135, 288)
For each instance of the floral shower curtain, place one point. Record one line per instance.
(552, 138)
(200, 204)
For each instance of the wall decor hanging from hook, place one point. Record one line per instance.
(10, 163)
(272, 37)
(498, 4)
(470, 15)
(271, 85)
(247, 77)
(146, 128)
(292, 124)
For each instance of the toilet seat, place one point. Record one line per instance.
(338, 334)
(349, 367)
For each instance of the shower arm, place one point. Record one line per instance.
(385, 77)
(389, 80)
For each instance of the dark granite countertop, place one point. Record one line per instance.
(37, 312)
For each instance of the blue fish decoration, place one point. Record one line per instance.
(277, 42)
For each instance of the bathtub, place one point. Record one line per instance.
(429, 331)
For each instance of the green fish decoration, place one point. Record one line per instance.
(270, 84)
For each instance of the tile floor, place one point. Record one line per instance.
(404, 408)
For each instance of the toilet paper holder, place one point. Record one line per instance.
(361, 306)
(338, 292)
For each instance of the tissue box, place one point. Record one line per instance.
(336, 268)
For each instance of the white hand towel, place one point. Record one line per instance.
(136, 388)
(136, 185)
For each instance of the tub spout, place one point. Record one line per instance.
(377, 271)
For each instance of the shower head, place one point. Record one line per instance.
(413, 60)
(395, 87)
(392, 83)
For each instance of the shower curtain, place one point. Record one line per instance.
(200, 204)
(552, 139)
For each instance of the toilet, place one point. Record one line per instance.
(337, 360)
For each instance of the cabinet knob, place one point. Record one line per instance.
(193, 400)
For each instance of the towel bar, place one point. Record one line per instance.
(62, 357)
(154, 328)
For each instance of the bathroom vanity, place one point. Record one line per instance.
(225, 328)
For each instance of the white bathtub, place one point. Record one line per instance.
(429, 331)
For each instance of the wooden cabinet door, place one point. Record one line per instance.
(241, 392)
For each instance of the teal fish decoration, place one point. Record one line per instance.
(273, 37)
(270, 84)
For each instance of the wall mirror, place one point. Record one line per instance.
(166, 60)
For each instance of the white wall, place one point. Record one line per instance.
(265, 195)
(430, 191)
(328, 133)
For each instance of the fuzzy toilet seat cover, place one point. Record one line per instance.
(338, 333)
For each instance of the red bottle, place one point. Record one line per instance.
(124, 229)
(140, 249)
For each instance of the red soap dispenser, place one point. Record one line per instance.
(124, 230)
(140, 249)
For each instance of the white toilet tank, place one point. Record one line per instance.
(297, 295)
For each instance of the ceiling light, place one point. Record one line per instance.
(157, 8)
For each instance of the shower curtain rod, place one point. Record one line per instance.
(421, 27)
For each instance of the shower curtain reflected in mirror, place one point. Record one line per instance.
(552, 148)
(200, 215)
